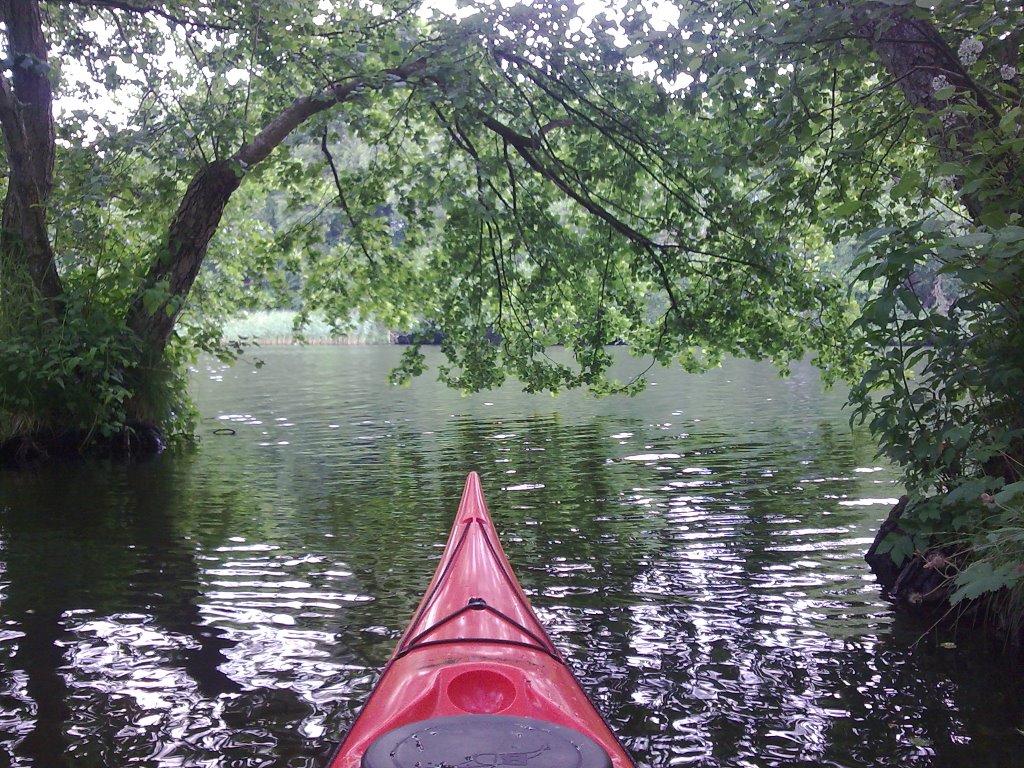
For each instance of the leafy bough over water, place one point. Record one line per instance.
(504, 168)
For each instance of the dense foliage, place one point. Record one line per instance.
(502, 172)
(919, 163)
(911, 164)
(678, 178)
(943, 388)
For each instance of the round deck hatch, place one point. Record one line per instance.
(484, 741)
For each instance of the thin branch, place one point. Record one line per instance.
(526, 145)
(342, 200)
(156, 10)
(630, 139)
(251, 75)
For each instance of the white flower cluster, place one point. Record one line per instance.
(1007, 72)
(969, 50)
(939, 82)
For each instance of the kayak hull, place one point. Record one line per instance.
(475, 649)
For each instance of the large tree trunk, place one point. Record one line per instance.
(26, 119)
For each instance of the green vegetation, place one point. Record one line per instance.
(539, 174)
(942, 388)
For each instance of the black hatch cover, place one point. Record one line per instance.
(484, 741)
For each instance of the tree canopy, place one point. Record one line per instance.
(676, 177)
(535, 185)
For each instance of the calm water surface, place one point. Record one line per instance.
(696, 552)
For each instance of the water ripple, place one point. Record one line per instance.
(696, 552)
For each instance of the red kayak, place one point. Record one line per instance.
(475, 681)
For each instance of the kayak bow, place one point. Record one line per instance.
(475, 680)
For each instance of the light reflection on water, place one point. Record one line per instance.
(696, 552)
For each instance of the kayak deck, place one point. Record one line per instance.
(475, 669)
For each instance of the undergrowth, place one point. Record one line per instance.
(84, 376)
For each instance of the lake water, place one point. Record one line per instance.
(696, 552)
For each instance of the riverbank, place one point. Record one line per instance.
(971, 581)
(136, 440)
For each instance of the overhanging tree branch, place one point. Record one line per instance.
(529, 147)
(614, 127)
(343, 201)
(526, 146)
(173, 272)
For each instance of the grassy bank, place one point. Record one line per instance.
(269, 327)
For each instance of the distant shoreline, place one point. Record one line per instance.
(277, 327)
(292, 341)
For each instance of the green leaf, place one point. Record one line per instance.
(1010, 120)
(969, 491)
(909, 182)
(982, 577)
(899, 547)
(850, 206)
(1010, 234)
(1009, 493)
(152, 298)
(973, 240)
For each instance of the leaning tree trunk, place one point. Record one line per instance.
(163, 295)
(173, 272)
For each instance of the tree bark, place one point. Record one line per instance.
(174, 271)
(914, 54)
(26, 119)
